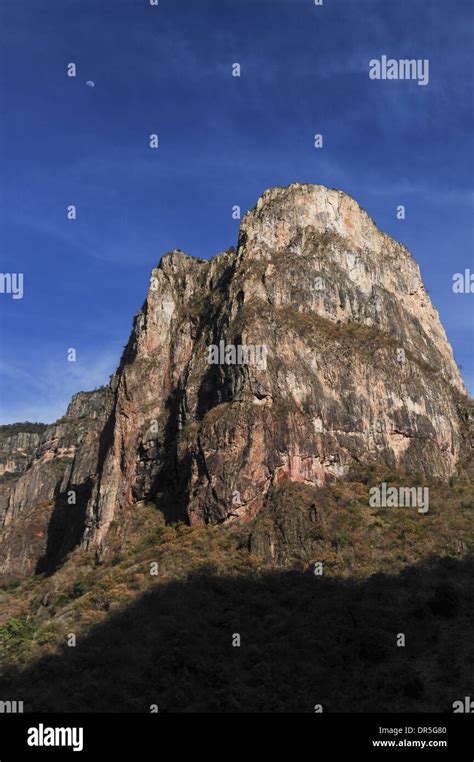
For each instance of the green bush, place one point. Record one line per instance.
(14, 633)
(79, 588)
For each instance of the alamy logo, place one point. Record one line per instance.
(404, 68)
(242, 354)
(466, 706)
(400, 497)
(11, 707)
(42, 736)
(12, 283)
(463, 283)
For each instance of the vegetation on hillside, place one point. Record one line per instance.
(156, 614)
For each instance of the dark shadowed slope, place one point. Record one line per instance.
(304, 641)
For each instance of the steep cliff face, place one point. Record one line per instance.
(310, 349)
(43, 504)
(357, 367)
(18, 443)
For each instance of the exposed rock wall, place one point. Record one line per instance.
(354, 367)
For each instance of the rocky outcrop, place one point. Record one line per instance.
(18, 443)
(335, 357)
(357, 367)
(44, 505)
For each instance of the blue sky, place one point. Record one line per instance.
(223, 141)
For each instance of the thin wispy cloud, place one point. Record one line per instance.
(46, 394)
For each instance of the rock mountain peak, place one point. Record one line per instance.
(358, 371)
